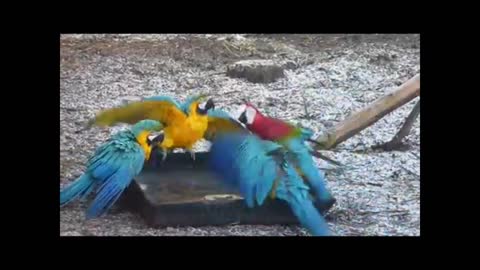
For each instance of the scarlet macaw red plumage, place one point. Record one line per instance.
(293, 138)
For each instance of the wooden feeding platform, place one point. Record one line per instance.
(180, 192)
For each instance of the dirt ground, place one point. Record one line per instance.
(333, 75)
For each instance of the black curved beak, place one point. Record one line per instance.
(155, 140)
(243, 118)
(210, 104)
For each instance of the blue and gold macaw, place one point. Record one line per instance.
(113, 166)
(258, 168)
(184, 123)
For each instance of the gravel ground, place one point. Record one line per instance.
(379, 193)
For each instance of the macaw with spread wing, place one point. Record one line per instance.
(184, 124)
(293, 138)
(113, 166)
(258, 168)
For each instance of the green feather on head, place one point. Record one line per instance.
(191, 99)
(146, 125)
(196, 98)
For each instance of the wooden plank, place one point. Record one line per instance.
(367, 116)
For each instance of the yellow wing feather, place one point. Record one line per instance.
(162, 111)
(218, 125)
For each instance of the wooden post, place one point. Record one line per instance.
(370, 114)
(396, 142)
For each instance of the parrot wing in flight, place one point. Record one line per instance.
(163, 110)
(184, 107)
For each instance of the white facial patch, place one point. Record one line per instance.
(236, 114)
(250, 113)
(153, 135)
(202, 105)
(239, 111)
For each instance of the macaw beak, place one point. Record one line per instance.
(155, 138)
(243, 118)
(210, 104)
(204, 107)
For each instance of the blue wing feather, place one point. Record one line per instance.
(304, 161)
(241, 160)
(219, 113)
(113, 187)
(293, 190)
(253, 165)
(115, 175)
(306, 133)
(109, 172)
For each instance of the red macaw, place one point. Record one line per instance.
(293, 138)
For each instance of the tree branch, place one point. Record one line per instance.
(366, 117)
(396, 142)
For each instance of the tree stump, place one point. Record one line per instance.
(256, 71)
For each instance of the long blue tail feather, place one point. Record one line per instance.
(305, 162)
(309, 217)
(293, 190)
(81, 187)
(109, 193)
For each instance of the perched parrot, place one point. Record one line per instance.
(258, 168)
(184, 124)
(113, 166)
(293, 138)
